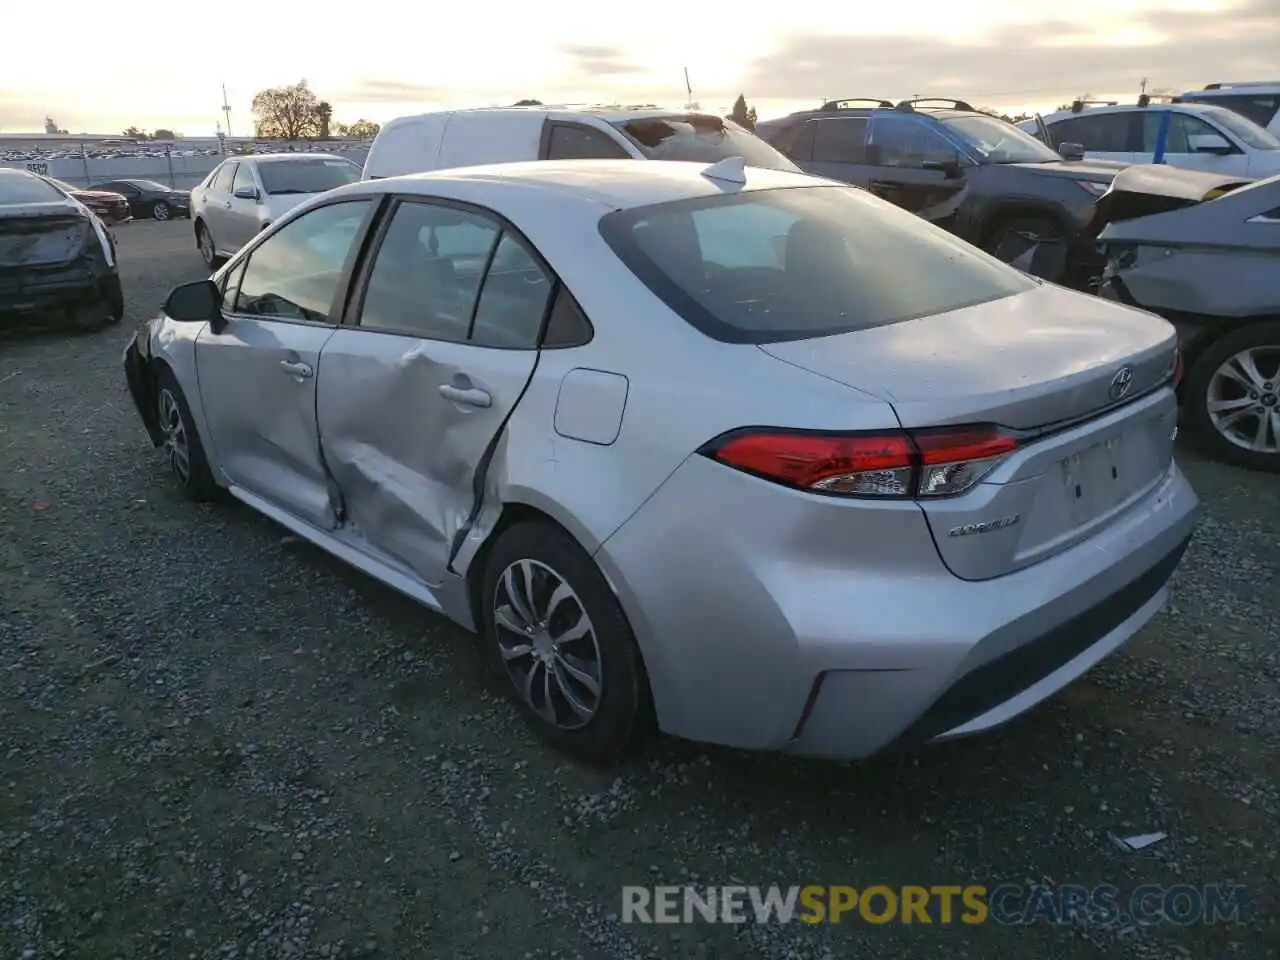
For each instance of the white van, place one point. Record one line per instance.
(463, 138)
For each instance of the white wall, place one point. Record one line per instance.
(182, 173)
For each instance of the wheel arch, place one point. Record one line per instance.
(1002, 213)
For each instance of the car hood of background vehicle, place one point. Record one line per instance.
(1097, 170)
(1023, 361)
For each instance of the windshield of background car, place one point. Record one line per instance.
(793, 263)
(1242, 128)
(306, 176)
(999, 142)
(28, 190)
(702, 139)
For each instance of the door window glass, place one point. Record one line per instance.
(1182, 127)
(903, 142)
(222, 182)
(1101, 133)
(427, 272)
(513, 299)
(573, 142)
(840, 141)
(295, 272)
(244, 178)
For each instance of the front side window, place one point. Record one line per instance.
(226, 173)
(772, 265)
(904, 142)
(701, 138)
(243, 178)
(280, 177)
(426, 275)
(1244, 129)
(571, 141)
(996, 141)
(1182, 128)
(295, 273)
(842, 140)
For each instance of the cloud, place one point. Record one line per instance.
(1051, 59)
(589, 60)
(389, 91)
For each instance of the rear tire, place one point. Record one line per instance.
(161, 211)
(588, 694)
(1013, 236)
(204, 243)
(182, 444)
(1227, 406)
(113, 299)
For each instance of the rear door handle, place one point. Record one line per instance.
(296, 368)
(473, 397)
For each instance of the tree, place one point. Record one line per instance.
(324, 116)
(360, 130)
(743, 115)
(527, 103)
(136, 133)
(163, 133)
(285, 113)
(51, 126)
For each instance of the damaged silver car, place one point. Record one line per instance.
(1203, 251)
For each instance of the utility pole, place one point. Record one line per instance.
(689, 105)
(1144, 85)
(226, 109)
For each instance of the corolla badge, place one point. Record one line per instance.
(1121, 383)
(985, 526)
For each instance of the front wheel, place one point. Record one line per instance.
(1015, 237)
(182, 445)
(559, 637)
(161, 211)
(1233, 397)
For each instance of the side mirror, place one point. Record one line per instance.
(1209, 143)
(246, 193)
(1071, 151)
(197, 302)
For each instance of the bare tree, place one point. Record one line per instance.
(286, 113)
(360, 130)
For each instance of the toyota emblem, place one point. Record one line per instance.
(1121, 383)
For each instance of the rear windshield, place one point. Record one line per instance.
(793, 263)
(23, 189)
(701, 139)
(306, 176)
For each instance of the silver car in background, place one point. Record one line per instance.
(244, 195)
(757, 455)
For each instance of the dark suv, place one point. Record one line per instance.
(974, 174)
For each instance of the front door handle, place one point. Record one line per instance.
(296, 368)
(473, 397)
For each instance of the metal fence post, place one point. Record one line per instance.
(168, 157)
(84, 160)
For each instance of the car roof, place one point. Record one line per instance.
(616, 184)
(1212, 109)
(273, 157)
(938, 113)
(607, 113)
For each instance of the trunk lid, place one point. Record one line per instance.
(36, 235)
(1080, 381)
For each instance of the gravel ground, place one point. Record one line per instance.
(215, 742)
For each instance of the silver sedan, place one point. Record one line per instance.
(753, 455)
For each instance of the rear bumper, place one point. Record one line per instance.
(839, 638)
(137, 376)
(46, 297)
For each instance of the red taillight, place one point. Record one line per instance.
(901, 464)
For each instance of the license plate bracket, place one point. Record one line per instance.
(1093, 479)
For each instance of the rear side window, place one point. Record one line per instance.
(1100, 133)
(842, 140)
(27, 189)
(772, 265)
(571, 141)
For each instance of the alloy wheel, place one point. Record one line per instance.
(1243, 399)
(160, 211)
(205, 242)
(548, 644)
(174, 428)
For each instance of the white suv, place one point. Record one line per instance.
(1259, 100)
(1197, 136)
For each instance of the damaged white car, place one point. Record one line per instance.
(757, 456)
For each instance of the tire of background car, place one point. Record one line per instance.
(1007, 238)
(113, 298)
(180, 436)
(204, 243)
(619, 711)
(1208, 384)
(161, 211)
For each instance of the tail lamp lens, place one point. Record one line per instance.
(896, 465)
